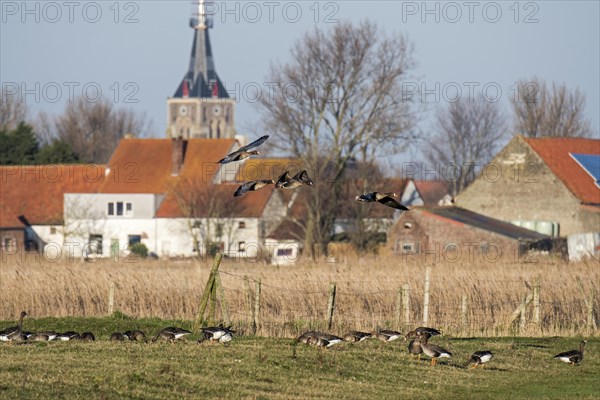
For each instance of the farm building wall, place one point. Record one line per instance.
(518, 186)
(432, 238)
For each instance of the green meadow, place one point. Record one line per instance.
(275, 368)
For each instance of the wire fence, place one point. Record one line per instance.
(459, 302)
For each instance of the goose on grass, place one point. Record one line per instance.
(572, 356)
(14, 332)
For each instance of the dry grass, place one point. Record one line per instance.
(295, 298)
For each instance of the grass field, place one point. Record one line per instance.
(273, 368)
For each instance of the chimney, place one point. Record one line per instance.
(178, 154)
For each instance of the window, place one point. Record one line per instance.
(120, 209)
(409, 248)
(285, 252)
(241, 225)
(9, 244)
(133, 239)
(219, 230)
(241, 246)
(95, 244)
(52, 230)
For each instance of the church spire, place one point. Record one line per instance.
(201, 79)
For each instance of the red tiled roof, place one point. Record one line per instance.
(251, 205)
(36, 192)
(432, 191)
(145, 165)
(555, 153)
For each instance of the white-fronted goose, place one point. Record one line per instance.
(414, 347)
(43, 336)
(480, 358)
(305, 337)
(357, 336)
(217, 333)
(252, 186)
(14, 332)
(70, 335)
(171, 334)
(136, 335)
(386, 335)
(572, 356)
(433, 351)
(117, 337)
(286, 181)
(387, 199)
(244, 151)
(323, 340)
(88, 337)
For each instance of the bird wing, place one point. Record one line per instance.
(254, 144)
(244, 188)
(303, 177)
(284, 178)
(392, 202)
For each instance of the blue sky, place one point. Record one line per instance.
(137, 51)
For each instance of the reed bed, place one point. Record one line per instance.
(295, 298)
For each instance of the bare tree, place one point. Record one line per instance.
(467, 135)
(543, 111)
(210, 212)
(12, 111)
(93, 129)
(340, 97)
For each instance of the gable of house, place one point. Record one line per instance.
(523, 186)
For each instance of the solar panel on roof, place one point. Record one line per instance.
(590, 163)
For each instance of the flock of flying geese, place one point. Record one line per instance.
(170, 334)
(287, 181)
(417, 346)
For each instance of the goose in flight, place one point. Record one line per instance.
(252, 186)
(387, 199)
(286, 181)
(244, 151)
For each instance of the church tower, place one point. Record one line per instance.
(200, 107)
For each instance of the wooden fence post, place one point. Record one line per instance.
(256, 313)
(207, 291)
(406, 303)
(536, 302)
(464, 311)
(398, 308)
(426, 296)
(222, 300)
(331, 305)
(524, 304)
(520, 310)
(591, 323)
(111, 298)
(248, 299)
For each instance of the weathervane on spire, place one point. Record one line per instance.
(200, 18)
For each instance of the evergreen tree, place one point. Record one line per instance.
(57, 152)
(19, 146)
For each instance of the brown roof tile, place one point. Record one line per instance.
(36, 192)
(555, 153)
(145, 165)
(432, 191)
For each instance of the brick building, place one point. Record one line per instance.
(545, 184)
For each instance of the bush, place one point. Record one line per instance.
(139, 249)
